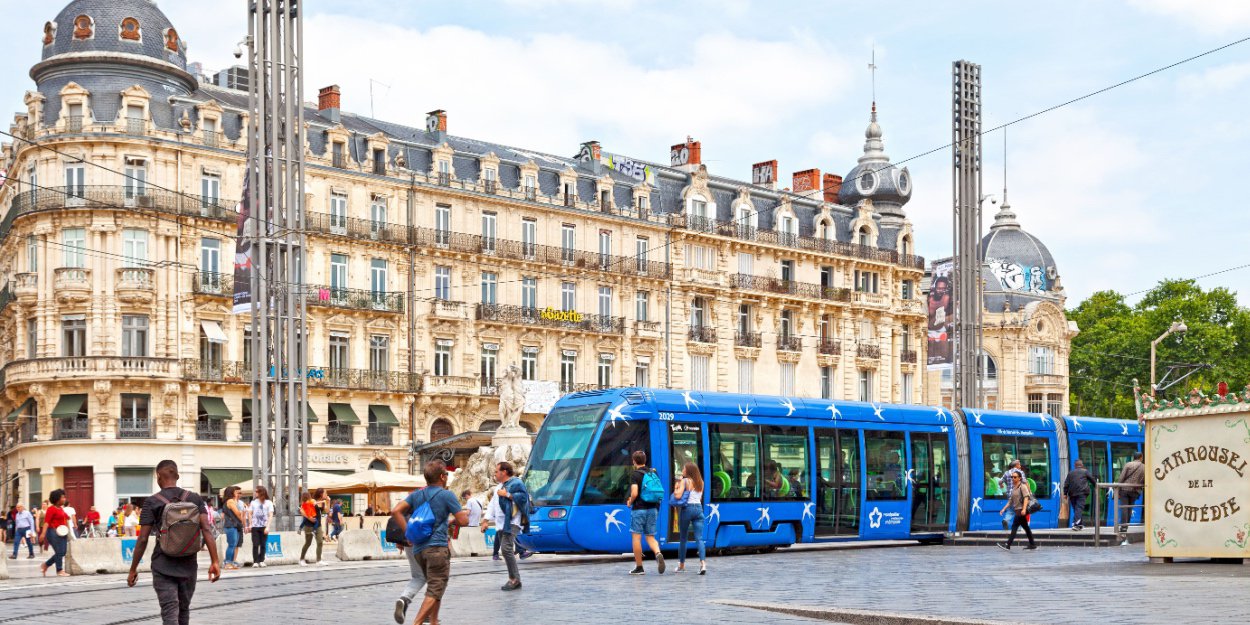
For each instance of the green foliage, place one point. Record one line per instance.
(1114, 344)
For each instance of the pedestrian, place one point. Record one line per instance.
(40, 522)
(132, 520)
(23, 529)
(643, 511)
(93, 523)
(473, 505)
(312, 510)
(690, 514)
(1019, 504)
(1005, 483)
(1076, 488)
(1134, 475)
(429, 562)
(182, 529)
(336, 519)
(55, 533)
(492, 512)
(261, 514)
(513, 518)
(233, 522)
(73, 519)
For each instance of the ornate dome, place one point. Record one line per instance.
(133, 27)
(877, 179)
(1015, 263)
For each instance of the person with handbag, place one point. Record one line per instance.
(688, 500)
(55, 533)
(1022, 504)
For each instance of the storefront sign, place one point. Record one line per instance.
(551, 314)
(329, 458)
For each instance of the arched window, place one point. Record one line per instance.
(825, 230)
(864, 236)
(489, 426)
(129, 30)
(529, 429)
(379, 465)
(441, 429)
(904, 246)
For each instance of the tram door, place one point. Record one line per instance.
(685, 445)
(1094, 455)
(930, 503)
(837, 483)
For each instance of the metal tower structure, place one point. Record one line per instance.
(275, 196)
(966, 152)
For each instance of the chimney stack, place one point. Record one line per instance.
(686, 156)
(328, 102)
(590, 154)
(765, 174)
(436, 124)
(806, 182)
(833, 186)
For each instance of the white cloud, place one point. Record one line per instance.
(1213, 16)
(1219, 79)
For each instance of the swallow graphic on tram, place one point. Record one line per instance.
(786, 470)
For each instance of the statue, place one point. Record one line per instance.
(511, 398)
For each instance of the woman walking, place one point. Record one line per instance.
(313, 509)
(690, 515)
(55, 533)
(262, 513)
(233, 524)
(1019, 504)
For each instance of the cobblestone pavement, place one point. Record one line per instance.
(1055, 585)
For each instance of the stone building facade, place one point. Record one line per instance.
(433, 261)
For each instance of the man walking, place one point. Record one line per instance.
(429, 562)
(643, 513)
(173, 574)
(24, 529)
(514, 503)
(1134, 475)
(1076, 488)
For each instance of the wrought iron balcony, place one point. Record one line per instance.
(789, 343)
(490, 186)
(339, 433)
(549, 317)
(339, 160)
(136, 126)
(444, 178)
(531, 194)
(356, 228)
(829, 347)
(867, 350)
(70, 429)
(73, 123)
(747, 339)
(576, 387)
(379, 434)
(134, 428)
(702, 334)
(223, 371)
(27, 430)
(355, 299)
(364, 379)
(119, 197)
(212, 138)
(907, 355)
(210, 430)
(738, 230)
(791, 287)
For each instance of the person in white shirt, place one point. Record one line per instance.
(131, 524)
(73, 520)
(261, 513)
(474, 505)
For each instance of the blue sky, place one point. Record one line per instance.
(1135, 185)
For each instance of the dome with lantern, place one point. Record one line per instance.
(876, 178)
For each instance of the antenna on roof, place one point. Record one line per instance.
(371, 82)
(872, 67)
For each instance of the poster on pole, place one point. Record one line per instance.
(941, 317)
(244, 254)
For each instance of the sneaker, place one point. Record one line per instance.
(681, 568)
(303, 563)
(659, 562)
(525, 555)
(637, 571)
(511, 586)
(323, 563)
(1125, 543)
(1004, 546)
(1031, 548)
(401, 610)
(260, 564)
(496, 558)
(703, 568)
(1076, 528)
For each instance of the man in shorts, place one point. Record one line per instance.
(642, 516)
(429, 562)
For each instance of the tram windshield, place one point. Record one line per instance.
(559, 454)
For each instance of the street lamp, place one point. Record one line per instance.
(1177, 326)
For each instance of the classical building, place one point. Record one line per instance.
(433, 261)
(1028, 337)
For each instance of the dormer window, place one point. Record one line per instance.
(84, 27)
(642, 203)
(444, 172)
(171, 40)
(129, 30)
(73, 122)
(337, 150)
(864, 236)
(211, 134)
(904, 246)
(531, 187)
(605, 198)
(379, 162)
(490, 178)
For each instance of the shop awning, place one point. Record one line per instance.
(213, 332)
(247, 407)
(69, 406)
(382, 415)
(221, 478)
(215, 408)
(344, 414)
(17, 412)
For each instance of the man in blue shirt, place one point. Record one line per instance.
(429, 562)
(23, 529)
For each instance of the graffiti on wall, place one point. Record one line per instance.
(1013, 276)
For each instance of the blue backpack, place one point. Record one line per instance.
(421, 523)
(652, 489)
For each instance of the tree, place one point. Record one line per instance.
(1113, 347)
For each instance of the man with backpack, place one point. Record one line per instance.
(181, 521)
(424, 514)
(514, 502)
(645, 494)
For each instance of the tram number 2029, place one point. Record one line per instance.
(666, 416)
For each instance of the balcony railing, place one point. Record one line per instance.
(27, 430)
(355, 299)
(867, 350)
(549, 317)
(213, 283)
(738, 230)
(531, 193)
(72, 278)
(379, 434)
(134, 428)
(646, 326)
(120, 198)
(789, 343)
(86, 367)
(791, 287)
(212, 138)
(490, 186)
(829, 347)
(339, 433)
(1043, 379)
(136, 126)
(747, 339)
(444, 178)
(339, 160)
(245, 430)
(379, 168)
(73, 123)
(140, 278)
(70, 429)
(210, 430)
(367, 379)
(227, 371)
(702, 334)
(907, 355)
(451, 385)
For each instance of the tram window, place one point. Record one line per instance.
(735, 463)
(1121, 454)
(686, 446)
(608, 481)
(785, 463)
(885, 453)
(559, 454)
(1033, 454)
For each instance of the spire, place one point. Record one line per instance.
(1005, 218)
(874, 148)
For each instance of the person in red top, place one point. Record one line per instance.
(93, 523)
(53, 520)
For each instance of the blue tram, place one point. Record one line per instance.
(783, 470)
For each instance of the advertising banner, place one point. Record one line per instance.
(941, 317)
(244, 255)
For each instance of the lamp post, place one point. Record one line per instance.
(1177, 326)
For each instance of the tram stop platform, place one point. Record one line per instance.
(1051, 537)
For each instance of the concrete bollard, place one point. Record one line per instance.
(4, 566)
(471, 542)
(354, 545)
(282, 548)
(86, 556)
